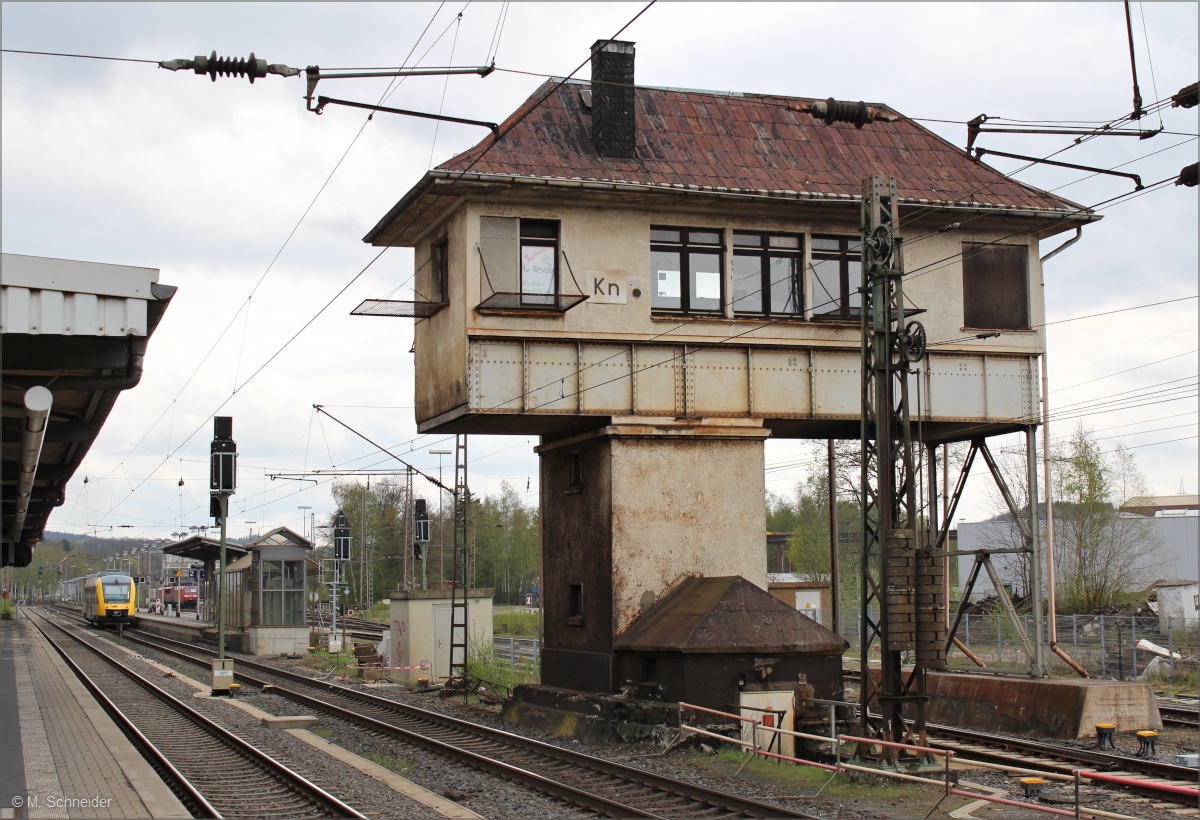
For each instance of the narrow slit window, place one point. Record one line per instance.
(439, 264)
(574, 471)
(575, 604)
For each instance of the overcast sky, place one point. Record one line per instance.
(123, 162)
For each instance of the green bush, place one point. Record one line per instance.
(515, 623)
(494, 668)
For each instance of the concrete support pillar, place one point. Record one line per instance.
(627, 512)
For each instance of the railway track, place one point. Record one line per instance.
(1178, 716)
(212, 771)
(358, 628)
(1154, 779)
(1150, 777)
(597, 785)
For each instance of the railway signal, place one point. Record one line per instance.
(222, 484)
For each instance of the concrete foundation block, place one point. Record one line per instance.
(1040, 707)
(281, 722)
(598, 718)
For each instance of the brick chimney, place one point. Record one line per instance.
(612, 98)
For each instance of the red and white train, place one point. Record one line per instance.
(181, 597)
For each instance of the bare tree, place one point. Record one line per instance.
(1100, 550)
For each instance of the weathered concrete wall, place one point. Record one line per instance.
(684, 505)
(577, 527)
(441, 340)
(654, 505)
(1040, 707)
(278, 640)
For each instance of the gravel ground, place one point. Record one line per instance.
(495, 798)
(478, 791)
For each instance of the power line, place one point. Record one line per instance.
(375, 258)
(245, 303)
(1129, 370)
(80, 56)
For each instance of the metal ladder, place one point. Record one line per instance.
(458, 586)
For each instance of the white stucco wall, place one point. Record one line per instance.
(414, 639)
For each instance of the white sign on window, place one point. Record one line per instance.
(537, 269)
(708, 285)
(668, 284)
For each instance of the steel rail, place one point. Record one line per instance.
(1178, 716)
(1072, 758)
(1090, 757)
(669, 786)
(306, 787)
(182, 786)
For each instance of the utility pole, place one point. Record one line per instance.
(408, 556)
(835, 582)
(222, 484)
(901, 581)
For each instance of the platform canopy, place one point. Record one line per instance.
(201, 548)
(78, 330)
(281, 537)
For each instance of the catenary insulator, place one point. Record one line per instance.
(1187, 97)
(857, 113)
(231, 67)
(837, 111)
(1188, 176)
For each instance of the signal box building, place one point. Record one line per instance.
(656, 280)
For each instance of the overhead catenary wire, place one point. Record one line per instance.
(287, 240)
(478, 157)
(1128, 370)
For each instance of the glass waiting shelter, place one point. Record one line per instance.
(266, 593)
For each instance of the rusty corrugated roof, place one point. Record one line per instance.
(743, 142)
(727, 615)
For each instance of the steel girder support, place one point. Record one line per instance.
(1029, 525)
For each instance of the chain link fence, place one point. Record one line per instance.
(1113, 647)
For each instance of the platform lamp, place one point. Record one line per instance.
(222, 484)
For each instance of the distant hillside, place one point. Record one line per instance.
(91, 545)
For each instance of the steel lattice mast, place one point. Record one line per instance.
(901, 581)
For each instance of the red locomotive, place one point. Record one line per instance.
(180, 597)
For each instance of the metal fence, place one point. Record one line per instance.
(519, 652)
(1105, 645)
